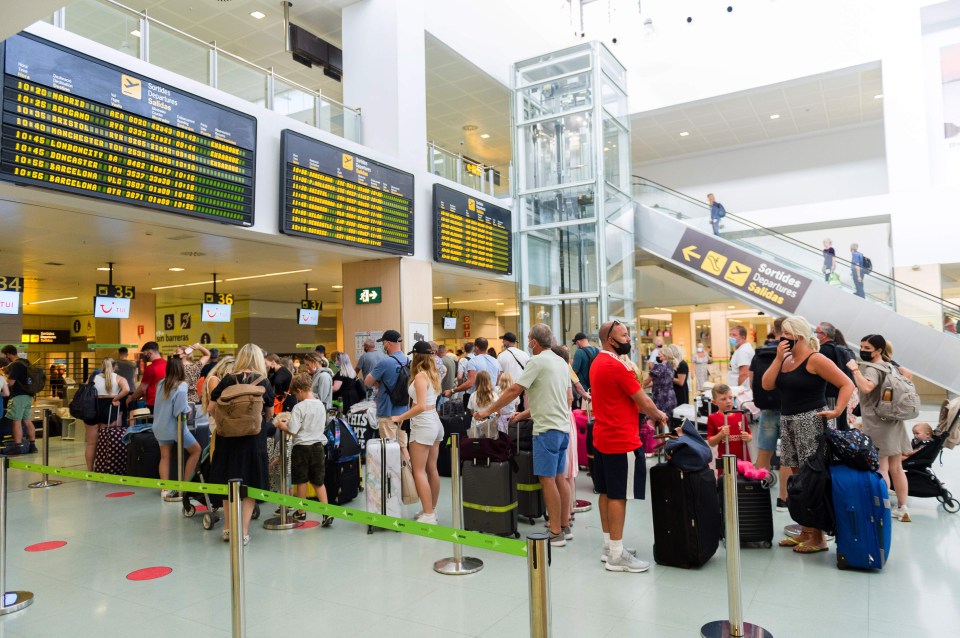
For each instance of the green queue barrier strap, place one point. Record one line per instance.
(510, 546)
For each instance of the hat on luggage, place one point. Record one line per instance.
(390, 335)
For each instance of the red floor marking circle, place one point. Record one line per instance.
(45, 547)
(149, 573)
(307, 525)
(120, 494)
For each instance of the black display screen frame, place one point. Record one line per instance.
(460, 202)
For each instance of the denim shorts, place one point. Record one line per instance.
(188, 439)
(550, 453)
(768, 430)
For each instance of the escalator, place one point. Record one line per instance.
(782, 276)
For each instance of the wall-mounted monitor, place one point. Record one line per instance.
(449, 323)
(9, 302)
(111, 308)
(215, 313)
(306, 317)
(471, 232)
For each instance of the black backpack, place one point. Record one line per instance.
(867, 267)
(764, 399)
(83, 405)
(810, 492)
(399, 394)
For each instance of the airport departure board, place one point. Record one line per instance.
(332, 195)
(471, 232)
(77, 124)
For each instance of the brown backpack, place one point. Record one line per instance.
(240, 408)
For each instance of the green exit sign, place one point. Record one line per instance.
(368, 295)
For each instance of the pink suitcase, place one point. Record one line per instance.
(580, 419)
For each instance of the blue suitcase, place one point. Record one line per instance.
(861, 503)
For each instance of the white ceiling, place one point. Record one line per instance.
(460, 94)
(806, 105)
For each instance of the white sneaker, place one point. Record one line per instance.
(429, 519)
(901, 514)
(557, 540)
(567, 532)
(164, 493)
(605, 555)
(626, 563)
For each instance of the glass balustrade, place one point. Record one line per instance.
(492, 180)
(122, 29)
(921, 306)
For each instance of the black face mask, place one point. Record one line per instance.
(866, 356)
(790, 342)
(621, 348)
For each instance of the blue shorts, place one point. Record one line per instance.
(768, 430)
(188, 439)
(550, 453)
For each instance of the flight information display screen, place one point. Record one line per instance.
(332, 195)
(76, 124)
(471, 232)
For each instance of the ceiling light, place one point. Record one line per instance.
(269, 274)
(311, 289)
(195, 283)
(878, 96)
(485, 136)
(259, 15)
(605, 149)
(499, 303)
(337, 287)
(34, 303)
(135, 33)
(104, 269)
(775, 116)
(175, 269)
(731, 307)
(470, 127)
(684, 133)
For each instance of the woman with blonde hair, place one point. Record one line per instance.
(244, 457)
(483, 393)
(800, 373)
(223, 367)
(111, 390)
(346, 386)
(426, 432)
(503, 382)
(662, 371)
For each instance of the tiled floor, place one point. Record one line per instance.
(342, 582)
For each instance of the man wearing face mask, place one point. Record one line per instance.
(617, 400)
(739, 372)
(701, 359)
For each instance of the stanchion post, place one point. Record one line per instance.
(45, 480)
(177, 496)
(236, 559)
(734, 627)
(282, 521)
(12, 600)
(538, 571)
(457, 565)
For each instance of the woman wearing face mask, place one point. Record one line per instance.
(801, 375)
(890, 437)
(701, 359)
(661, 379)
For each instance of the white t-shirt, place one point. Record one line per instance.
(100, 383)
(474, 406)
(742, 356)
(512, 361)
(307, 422)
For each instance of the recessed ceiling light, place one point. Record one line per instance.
(337, 287)
(775, 116)
(684, 133)
(438, 297)
(259, 15)
(470, 127)
(311, 289)
(878, 96)
(731, 307)
(499, 303)
(485, 136)
(103, 268)
(135, 33)
(605, 149)
(175, 269)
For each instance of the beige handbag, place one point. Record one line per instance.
(408, 487)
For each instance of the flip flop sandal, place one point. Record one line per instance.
(809, 549)
(789, 541)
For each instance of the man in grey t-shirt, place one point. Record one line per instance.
(369, 359)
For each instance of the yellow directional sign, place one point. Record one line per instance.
(737, 273)
(689, 253)
(713, 263)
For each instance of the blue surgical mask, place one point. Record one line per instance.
(733, 342)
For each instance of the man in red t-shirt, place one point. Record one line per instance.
(617, 400)
(154, 372)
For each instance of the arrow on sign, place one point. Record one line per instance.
(689, 252)
(373, 294)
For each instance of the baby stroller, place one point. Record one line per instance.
(212, 504)
(921, 480)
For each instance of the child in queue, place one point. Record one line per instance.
(730, 436)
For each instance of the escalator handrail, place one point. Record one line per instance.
(799, 244)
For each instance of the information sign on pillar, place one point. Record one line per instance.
(466, 327)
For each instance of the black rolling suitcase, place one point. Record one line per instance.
(342, 467)
(529, 490)
(452, 424)
(522, 433)
(686, 515)
(143, 455)
(489, 498)
(754, 510)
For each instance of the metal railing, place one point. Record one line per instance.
(135, 33)
(919, 305)
(492, 180)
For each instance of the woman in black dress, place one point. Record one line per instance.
(244, 457)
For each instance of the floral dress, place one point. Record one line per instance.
(663, 395)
